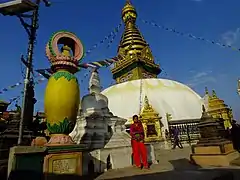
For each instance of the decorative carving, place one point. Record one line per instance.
(64, 166)
(147, 54)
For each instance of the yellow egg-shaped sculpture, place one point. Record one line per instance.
(62, 96)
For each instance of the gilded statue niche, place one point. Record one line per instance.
(151, 122)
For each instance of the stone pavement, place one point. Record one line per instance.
(172, 164)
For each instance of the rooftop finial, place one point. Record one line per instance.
(129, 13)
(128, 1)
(66, 50)
(146, 102)
(94, 82)
(214, 94)
(206, 90)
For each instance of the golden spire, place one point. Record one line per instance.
(135, 59)
(131, 38)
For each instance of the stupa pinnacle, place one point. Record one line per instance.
(135, 57)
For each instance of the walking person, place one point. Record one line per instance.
(176, 141)
(138, 146)
(235, 135)
(166, 134)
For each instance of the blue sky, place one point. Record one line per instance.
(192, 62)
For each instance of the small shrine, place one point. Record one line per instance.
(151, 122)
(92, 126)
(218, 109)
(212, 149)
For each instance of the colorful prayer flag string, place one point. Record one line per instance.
(14, 86)
(115, 32)
(104, 40)
(99, 64)
(14, 99)
(189, 35)
(10, 87)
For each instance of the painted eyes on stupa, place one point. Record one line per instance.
(126, 78)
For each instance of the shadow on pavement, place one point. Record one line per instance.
(183, 170)
(32, 175)
(189, 175)
(186, 171)
(183, 164)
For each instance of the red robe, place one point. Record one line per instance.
(136, 131)
(138, 147)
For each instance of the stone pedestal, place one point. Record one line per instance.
(9, 138)
(218, 154)
(33, 162)
(63, 160)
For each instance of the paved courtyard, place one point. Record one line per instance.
(172, 164)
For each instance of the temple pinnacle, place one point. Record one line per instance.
(129, 13)
(128, 1)
(206, 90)
(94, 82)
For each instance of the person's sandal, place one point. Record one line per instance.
(147, 168)
(138, 167)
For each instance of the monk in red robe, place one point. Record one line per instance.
(137, 140)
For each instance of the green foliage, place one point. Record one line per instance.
(64, 127)
(67, 75)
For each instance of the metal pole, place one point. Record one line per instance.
(32, 39)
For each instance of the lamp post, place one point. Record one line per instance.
(25, 9)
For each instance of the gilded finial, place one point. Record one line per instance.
(214, 94)
(129, 13)
(206, 90)
(128, 1)
(146, 102)
(168, 116)
(66, 50)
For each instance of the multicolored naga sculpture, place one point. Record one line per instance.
(62, 94)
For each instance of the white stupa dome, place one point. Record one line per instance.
(165, 96)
